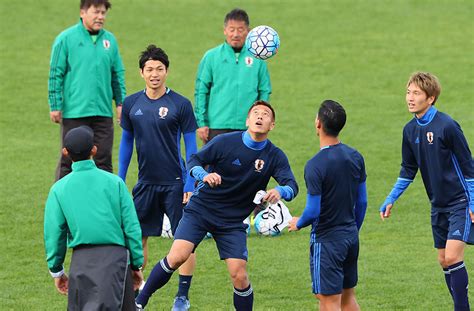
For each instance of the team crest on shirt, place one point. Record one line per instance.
(259, 165)
(249, 61)
(106, 44)
(429, 137)
(163, 112)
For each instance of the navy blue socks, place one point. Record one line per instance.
(459, 286)
(184, 285)
(159, 276)
(243, 299)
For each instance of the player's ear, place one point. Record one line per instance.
(94, 151)
(431, 100)
(272, 125)
(65, 152)
(141, 72)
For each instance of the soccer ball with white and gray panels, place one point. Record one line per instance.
(262, 42)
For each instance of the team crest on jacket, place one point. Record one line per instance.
(163, 112)
(259, 165)
(106, 44)
(249, 61)
(429, 137)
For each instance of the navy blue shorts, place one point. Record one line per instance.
(151, 201)
(453, 223)
(333, 265)
(230, 237)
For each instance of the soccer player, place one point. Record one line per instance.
(228, 81)
(86, 73)
(156, 118)
(240, 164)
(91, 211)
(435, 144)
(335, 207)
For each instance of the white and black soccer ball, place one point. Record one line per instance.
(262, 42)
(265, 225)
(166, 230)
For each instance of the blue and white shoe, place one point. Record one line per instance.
(139, 307)
(181, 303)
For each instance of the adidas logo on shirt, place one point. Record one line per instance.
(417, 141)
(139, 112)
(236, 162)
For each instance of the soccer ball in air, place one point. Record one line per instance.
(166, 230)
(262, 42)
(266, 226)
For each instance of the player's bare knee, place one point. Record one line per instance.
(176, 259)
(239, 278)
(452, 259)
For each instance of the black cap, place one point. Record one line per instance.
(79, 140)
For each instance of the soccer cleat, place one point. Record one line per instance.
(181, 303)
(138, 307)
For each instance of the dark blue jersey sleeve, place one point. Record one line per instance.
(188, 121)
(409, 166)
(284, 176)
(313, 178)
(457, 142)
(208, 154)
(125, 122)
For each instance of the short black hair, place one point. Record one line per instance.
(85, 4)
(237, 15)
(332, 117)
(153, 53)
(262, 103)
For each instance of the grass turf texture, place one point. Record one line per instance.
(359, 53)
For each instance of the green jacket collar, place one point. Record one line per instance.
(85, 32)
(83, 165)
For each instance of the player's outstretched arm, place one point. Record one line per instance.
(310, 214)
(400, 186)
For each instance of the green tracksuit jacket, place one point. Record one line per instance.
(85, 76)
(90, 206)
(226, 87)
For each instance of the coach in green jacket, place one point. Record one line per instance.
(91, 211)
(86, 73)
(229, 81)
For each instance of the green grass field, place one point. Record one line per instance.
(359, 53)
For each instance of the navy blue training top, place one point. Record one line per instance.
(157, 126)
(436, 145)
(243, 170)
(335, 174)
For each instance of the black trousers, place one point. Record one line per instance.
(103, 128)
(100, 279)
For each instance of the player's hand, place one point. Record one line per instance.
(203, 133)
(386, 213)
(137, 279)
(62, 284)
(186, 197)
(272, 196)
(55, 116)
(119, 113)
(213, 179)
(292, 224)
